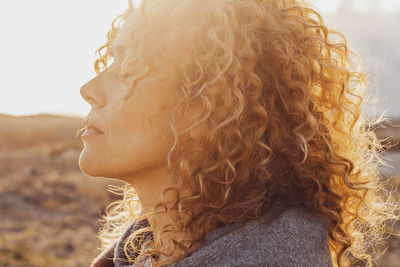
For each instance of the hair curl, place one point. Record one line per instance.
(280, 116)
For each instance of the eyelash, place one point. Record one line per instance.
(125, 75)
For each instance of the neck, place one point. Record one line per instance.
(149, 187)
(150, 184)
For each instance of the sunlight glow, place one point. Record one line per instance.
(49, 50)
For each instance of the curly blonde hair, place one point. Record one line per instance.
(280, 117)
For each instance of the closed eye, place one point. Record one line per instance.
(125, 75)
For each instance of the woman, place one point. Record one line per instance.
(238, 129)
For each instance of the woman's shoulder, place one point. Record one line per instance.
(294, 237)
(290, 237)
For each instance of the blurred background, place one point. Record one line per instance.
(49, 210)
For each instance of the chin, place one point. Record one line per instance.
(97, 167)
(89, 165)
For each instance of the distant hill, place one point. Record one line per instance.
(29, 132)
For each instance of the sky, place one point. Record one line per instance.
(48, 50)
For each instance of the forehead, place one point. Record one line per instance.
(148, 38)
(123, 37)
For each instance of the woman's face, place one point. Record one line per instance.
(136, 134)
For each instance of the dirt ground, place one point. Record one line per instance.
(49, 210)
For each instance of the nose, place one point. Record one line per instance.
(91, 93)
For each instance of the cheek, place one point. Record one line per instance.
(142, 143)
(121, 153)
(136, 139)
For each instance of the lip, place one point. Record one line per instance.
(90, 132)
(89, 124)
(94, 128)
